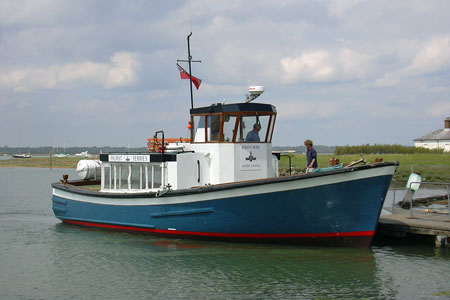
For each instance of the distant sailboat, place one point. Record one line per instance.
(61, 154)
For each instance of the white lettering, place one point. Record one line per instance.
(128, 158)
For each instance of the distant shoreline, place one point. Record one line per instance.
(43, 162)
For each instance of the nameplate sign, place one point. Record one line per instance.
(129, 158)
(251, 156)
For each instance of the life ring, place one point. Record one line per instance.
(155, 144)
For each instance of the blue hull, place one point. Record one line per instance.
(343, 213)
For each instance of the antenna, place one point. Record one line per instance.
(189, 60)
(254, 92)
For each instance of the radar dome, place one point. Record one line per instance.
(254, 92)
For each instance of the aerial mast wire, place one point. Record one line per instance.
(190, 71)
(189, 61)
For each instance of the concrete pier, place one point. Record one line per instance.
(423, 225)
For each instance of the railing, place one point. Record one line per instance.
(122, 177)
(431, 183)
(290, 164)
(393, 198)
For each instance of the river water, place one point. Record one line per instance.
(41, 258)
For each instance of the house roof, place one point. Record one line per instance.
(440, 134)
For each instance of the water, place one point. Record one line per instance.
(41, 258)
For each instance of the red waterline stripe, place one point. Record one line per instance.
(229, 235)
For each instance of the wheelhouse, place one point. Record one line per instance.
(240, 133)
(232, 123)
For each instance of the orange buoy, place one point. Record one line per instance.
(155, 144)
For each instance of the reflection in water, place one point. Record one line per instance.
(195, 269)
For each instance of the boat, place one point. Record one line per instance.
(83, 154)
(216, 185)
(63, 154)
(22, 155)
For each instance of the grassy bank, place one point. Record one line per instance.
(432, 167)
(42, 162)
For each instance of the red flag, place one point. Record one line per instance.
(185, 75)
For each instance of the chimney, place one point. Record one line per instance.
(447, 123)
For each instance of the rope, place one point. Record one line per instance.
(162, 193)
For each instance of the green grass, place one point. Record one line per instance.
(42, 162)
(432, 167)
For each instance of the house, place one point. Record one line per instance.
(439, 139)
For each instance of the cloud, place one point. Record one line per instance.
(217, 90)
(315, 58)
(340, 8)
(310, 66)
(440, 109)
(120, 71)
(158, 95)
(296, 110)
(389, 80)
(433, 56)
(324, 66)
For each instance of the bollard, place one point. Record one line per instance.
(448, 202)
(393, 200)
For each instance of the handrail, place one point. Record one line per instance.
(431, 183)
(393, 199)
(290, 165)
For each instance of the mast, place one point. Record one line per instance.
(190, 70)
(190, 61)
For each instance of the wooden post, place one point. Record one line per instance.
(51, 157)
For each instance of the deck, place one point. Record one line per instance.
(423, 225)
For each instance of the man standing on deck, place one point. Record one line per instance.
(311, 156)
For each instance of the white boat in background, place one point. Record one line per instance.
(83, 154)
(22, 155)
(59, 154)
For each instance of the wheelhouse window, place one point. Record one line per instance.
(229, 125)
(253, 128)
(213, 127)
(238, 127)
(198, 129)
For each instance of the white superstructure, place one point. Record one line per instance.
(228, 143)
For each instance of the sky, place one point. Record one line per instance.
(103, 73)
